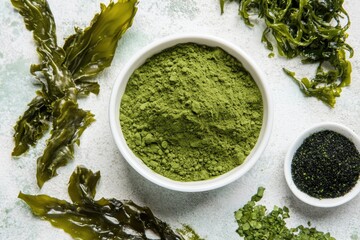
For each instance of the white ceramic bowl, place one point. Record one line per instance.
(326, 202)
(195, 186)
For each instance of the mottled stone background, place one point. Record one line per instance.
(210, 213)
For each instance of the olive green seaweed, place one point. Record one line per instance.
(191, 112)
(188, 233)
(315, 31)
(88, 219)
(64, 74)
(35, 121)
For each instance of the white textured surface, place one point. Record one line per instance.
(210, 213)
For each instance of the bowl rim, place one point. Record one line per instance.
(325, 202)
(157, 46)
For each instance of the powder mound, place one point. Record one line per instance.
(191, 112)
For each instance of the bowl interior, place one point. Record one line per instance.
(326, 202)
(138, 165)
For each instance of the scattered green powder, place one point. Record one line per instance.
(255, 223)
(191, 112)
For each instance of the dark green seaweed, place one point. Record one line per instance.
(35, 121)
(315, 31)
(69, 122)
(87, 219)
(64, 74)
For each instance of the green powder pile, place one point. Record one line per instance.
(191, 112)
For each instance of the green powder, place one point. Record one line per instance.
(191, 112)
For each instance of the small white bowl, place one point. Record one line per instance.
(195, 186)
(325, 202)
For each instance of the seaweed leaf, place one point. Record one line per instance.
(315, 31)
(31, 126)
(38, 18)
(64, 74)
(69, 122)
(88, 219)
(90, 51)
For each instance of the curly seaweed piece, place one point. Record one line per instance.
(39, 19)
(69, 123)
(88, 219)
(35, 121)
(102, 35)
(31, 126)
(315, 31)
(64, 74)
(187, 233)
